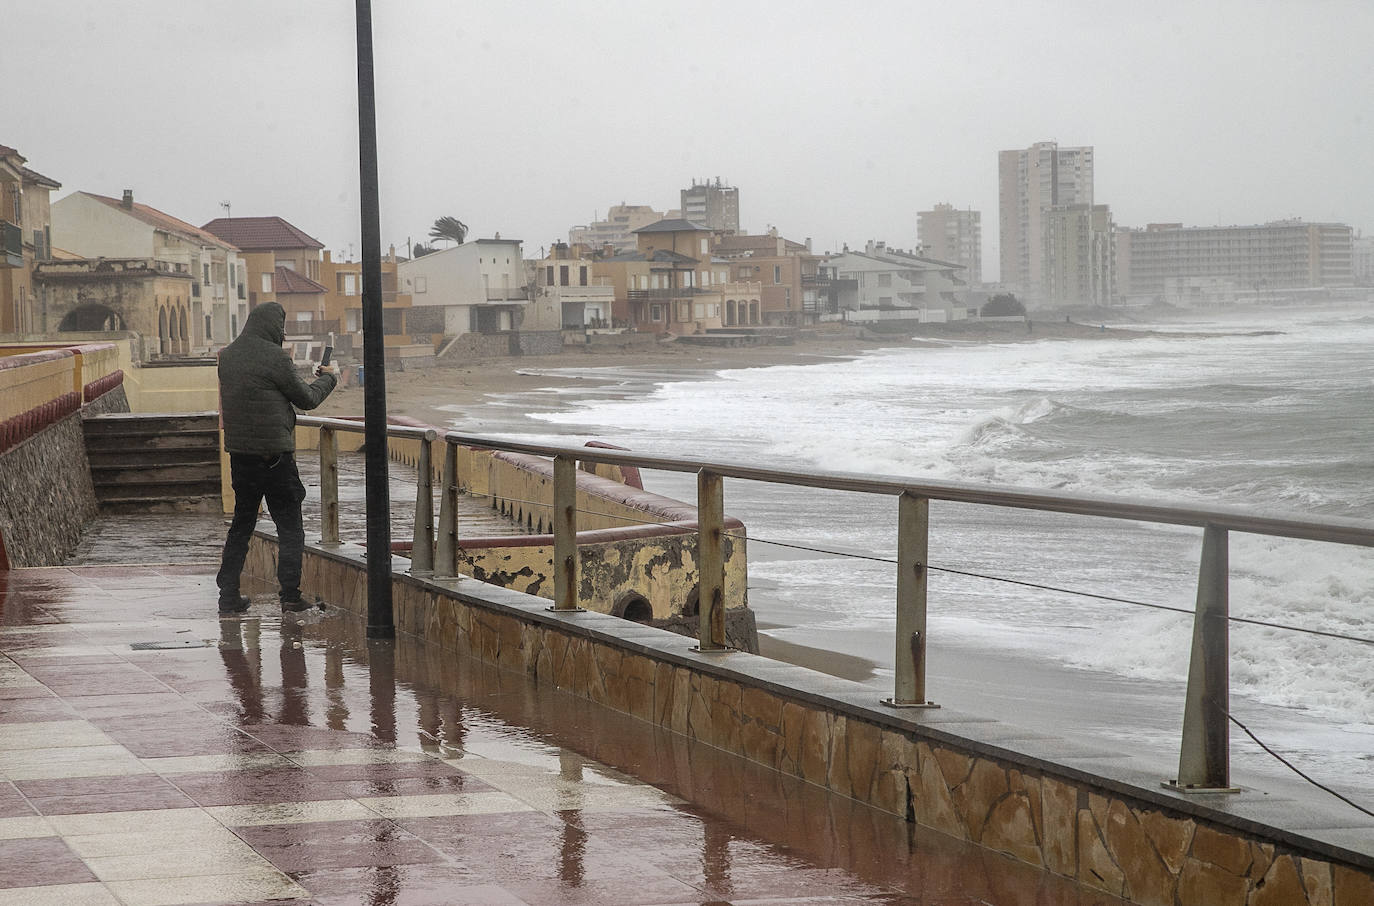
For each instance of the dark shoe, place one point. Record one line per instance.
(235, 604)
(295, 606)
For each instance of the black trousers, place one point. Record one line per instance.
(275, 479)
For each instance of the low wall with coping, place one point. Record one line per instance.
(629, 540)
(953, 772)
(46, 494)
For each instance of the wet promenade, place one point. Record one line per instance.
(151, 753)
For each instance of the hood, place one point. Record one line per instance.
(267, 322)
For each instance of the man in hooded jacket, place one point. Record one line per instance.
(260, 391)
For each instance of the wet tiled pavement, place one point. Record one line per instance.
(250, 760)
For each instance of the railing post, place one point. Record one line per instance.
(564, 534)
(710, 562)
(422, 541)
(1204, 760)
(913, 549)
(446, 557)
(329, 487)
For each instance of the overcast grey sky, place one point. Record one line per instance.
(836, 121)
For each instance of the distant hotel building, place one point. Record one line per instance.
(1029, 182)
(1079, 256)
(713, 205)
(618, 229)
(1283, 255)
(949, 234)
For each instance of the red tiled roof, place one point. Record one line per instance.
(261, 234)
(156, 218)
(288, 281)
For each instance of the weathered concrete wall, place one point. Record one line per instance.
(1133, 841)
(477, 345)
(46, 495)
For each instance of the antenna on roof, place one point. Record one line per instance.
(225, 205)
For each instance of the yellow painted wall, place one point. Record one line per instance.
(42, 378)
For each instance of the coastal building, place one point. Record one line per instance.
(1079, 259)
(1030, 181)
(712, 204)
(1362, 260)
(794, 287)
(671, 283)
(1264, 261)
(26, 224)
(947, 233)
(476, 287)
(188, 316)
(618, 229)
(564, 280)
(893, 284)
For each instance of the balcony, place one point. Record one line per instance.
(680, 292)
(510, 294)
(14, 245)
(315, 328)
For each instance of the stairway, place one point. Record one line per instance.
(152, 463)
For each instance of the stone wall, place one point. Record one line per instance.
(538, 342)
(46, 495)
(1130, 840)
(477, 346)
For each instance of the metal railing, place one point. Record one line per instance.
(1204, 752)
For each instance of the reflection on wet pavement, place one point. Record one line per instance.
(296, 762)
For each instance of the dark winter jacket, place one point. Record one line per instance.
(258, 385)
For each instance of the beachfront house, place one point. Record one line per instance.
(892, 285)
(479, 286)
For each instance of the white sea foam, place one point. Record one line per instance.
(1239, 420)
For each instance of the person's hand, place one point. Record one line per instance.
(331, 368)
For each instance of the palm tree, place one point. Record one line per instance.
(449, 228)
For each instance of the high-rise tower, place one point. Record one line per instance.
(1029, 181)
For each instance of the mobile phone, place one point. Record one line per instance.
(328, 354)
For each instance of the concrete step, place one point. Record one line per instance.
(186, 440)
(130, 459)
(170, 489)
(123, 475)
(129, 423)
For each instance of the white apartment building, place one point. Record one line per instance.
(1030, 181)
(618, 229)
(1260, 260)
(1362, 261)
(895, 284)
(480, 285)
(950, 234)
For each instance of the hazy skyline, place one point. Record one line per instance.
(836, 123)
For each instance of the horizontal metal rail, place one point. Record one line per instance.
(1204, 759)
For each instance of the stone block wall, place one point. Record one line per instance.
(1138, 844)
(46, 495)
(539, 342)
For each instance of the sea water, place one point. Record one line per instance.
(1268, 410)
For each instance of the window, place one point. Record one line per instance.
(656, 312)
(777, 273)
(209, 332)
(582, 275)
(206, 269)
(350, 284)
(267, 283)
(704, 248)
(548, 275)
(884, 280)
(421, 284)
(684, 311)
(562, 274)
